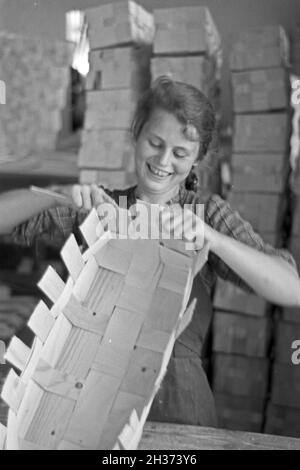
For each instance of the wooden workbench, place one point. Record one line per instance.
(160, 436)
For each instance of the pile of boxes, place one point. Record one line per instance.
(295, 51)
(261, 95)
(187, 48)
(261, 394)
(35, 78)
(283, 412)
(121, 37)
(241, 342)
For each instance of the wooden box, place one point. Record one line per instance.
(261, 133)
(262, 210)
(296, 218)
(199, 71)
(109, 149)
(291, 315)
(261, 47)
(229, 297)
(239, 413)
(260, 90)
(296, 175)
(260, 172)
(238, 334)
(286, 385)
(185, 30)
(123, 67)
(286, 334)
(239, 375)
(119, 23)
(283, 421)
(110, 109)
(295, 249)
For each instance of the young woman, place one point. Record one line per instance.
(172, 131)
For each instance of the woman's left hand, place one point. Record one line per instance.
(181, 223)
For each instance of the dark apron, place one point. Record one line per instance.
(185, 396)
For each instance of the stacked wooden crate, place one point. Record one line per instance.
(283, 413)
(261, 95)
(36, 77)
(295, 51)
(187, 48)
(241, 338)
(120, 36)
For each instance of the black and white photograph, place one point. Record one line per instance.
(149, 227)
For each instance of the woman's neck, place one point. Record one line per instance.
(156, 198)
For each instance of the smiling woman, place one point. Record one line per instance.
(172, 130)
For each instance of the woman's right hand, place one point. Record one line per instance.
(81, 196)
(88, 196)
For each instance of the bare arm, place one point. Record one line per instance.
(19, 205)
(269, 275)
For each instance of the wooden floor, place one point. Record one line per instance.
(160, 436)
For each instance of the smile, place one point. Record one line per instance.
(157, 172)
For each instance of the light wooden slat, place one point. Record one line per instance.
(57, 339)
(17, 353)
(51, 284)
(111, 361)
(85, 318)
(119, 416)
(52, 380)
(59, 305)
(155, 340)
(87, 422)
(173, 280)
(33, 360)
(13, 391)
(2, 436)
(50, 420)
(142, 371)
(114, 259)
(72, 257)
(186, 318)
(123, 329)
(27, 411)
(164, 310)
(84, 282)
(78, 353)
(41, 321)
(89, 227)
(97, 246)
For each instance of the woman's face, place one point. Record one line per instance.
(163, 155)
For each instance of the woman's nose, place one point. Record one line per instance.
(165, 157)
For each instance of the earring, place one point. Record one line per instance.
(191, 181)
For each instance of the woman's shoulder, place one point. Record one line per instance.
(211, 203)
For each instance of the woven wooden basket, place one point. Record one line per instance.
(102, 349)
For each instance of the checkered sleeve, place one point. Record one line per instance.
(52, 226)
(220, 216)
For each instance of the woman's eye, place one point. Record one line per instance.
(155, 143)
(179, 154)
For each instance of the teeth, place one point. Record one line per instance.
(159, 172)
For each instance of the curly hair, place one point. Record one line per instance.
(187, 103)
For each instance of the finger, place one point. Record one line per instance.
(76, 195)
(86, 196)
(107, 198)
(96, 195)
